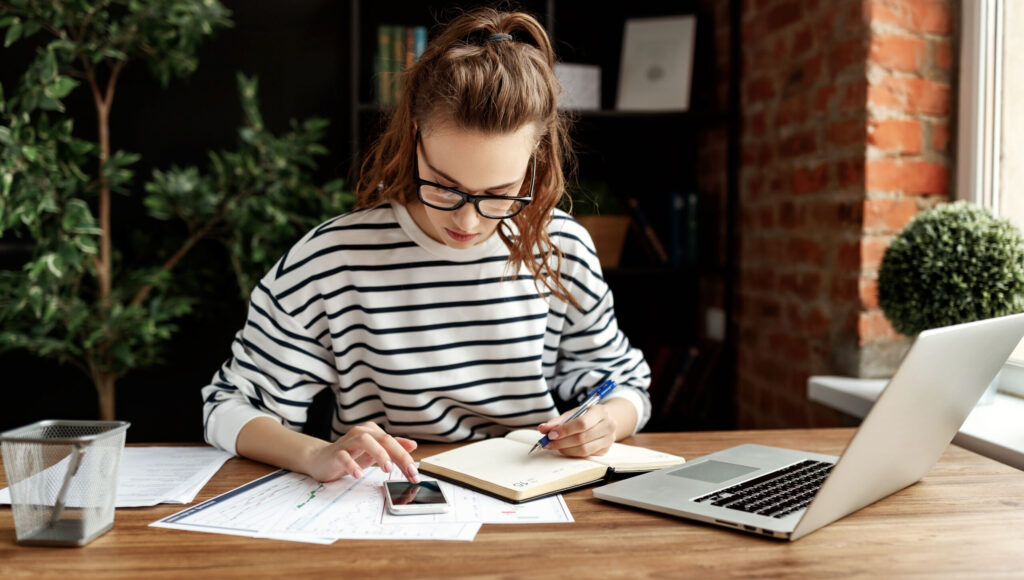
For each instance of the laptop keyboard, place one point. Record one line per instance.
(776, 494)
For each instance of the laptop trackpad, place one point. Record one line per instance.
(712, 471)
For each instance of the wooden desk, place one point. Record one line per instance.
(966, 518)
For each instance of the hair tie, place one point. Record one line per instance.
(498, 37)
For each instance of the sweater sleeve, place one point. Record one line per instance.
(274, 370)
(592, 347)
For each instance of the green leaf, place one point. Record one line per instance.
(13, 33)
(62, 87)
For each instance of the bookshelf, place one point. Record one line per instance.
(646, 156)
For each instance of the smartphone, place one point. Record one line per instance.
(425, 497)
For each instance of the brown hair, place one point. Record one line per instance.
(474, 80)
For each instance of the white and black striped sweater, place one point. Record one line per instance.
(428, 341)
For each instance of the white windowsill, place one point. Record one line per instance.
(994, 430)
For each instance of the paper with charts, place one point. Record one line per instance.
(291, 506)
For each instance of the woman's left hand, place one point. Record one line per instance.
(593, 432)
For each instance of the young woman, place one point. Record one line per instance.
(455, 302)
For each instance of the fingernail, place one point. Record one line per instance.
(358, 474)
(553, 435)
(387, 467)
(413, 473)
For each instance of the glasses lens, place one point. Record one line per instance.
(439, 198)
(499, 208)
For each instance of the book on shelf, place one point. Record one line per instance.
(503, 467)
(651, 242)
(398, 48)
(682, 227)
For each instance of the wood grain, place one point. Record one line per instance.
(965, 519)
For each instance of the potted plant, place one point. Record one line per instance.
(952, 264)
(598, 210)
(79, 299)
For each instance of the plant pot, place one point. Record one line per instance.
(609, 234)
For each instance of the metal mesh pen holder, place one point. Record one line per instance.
(63, 479)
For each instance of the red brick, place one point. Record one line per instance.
(849, 257)
(940, 136)
(749, 156)
(805, 251)
(846, 54)
(872, 248)
(895, 135)
(850, 172)
(928, 16)
(803, 41)
(913, 177)
(846, 132)
(798, 144)
(888, 215)
(761, 278)
(853, 98)
(911, 95)
(809, 286)
(807, 179)
(783, 15)
(898, 52)
(868, 293)
(844, 288)
(873, 327)
(942, 54)
(791, 217)
(792, 111)
(823, 99)
(756, 124)
(815, 324)
(761, 89)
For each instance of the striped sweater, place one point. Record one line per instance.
(430, 342)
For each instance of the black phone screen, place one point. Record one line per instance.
(423, 493)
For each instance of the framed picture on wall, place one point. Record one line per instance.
(657, 64)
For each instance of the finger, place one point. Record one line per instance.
(594, 442)
(366, 447)
(399, 452)
(407, 444)
(349, 464)
(586, 422)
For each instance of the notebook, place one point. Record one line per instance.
(504, 467)
(916, 416)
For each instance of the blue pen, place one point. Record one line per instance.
(593, 398)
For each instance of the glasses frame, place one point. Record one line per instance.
(468, 197)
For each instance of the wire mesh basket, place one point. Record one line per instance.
(63, 479)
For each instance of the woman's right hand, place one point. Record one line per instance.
(362, 446)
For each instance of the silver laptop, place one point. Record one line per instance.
(937, 384)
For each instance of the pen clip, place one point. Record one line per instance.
(603, 390)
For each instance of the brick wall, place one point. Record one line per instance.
(846, 114)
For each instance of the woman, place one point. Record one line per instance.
(456, 302)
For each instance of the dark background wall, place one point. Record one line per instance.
(299, 51)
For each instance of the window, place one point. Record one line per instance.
(990, 146)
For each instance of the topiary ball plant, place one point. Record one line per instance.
(951, 264)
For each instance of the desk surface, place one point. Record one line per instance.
(965, 518)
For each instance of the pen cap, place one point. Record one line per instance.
(603, 390)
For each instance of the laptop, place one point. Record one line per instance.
(787, 494)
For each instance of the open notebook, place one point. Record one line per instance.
(503, 466)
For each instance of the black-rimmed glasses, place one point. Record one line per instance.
(495, 207)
